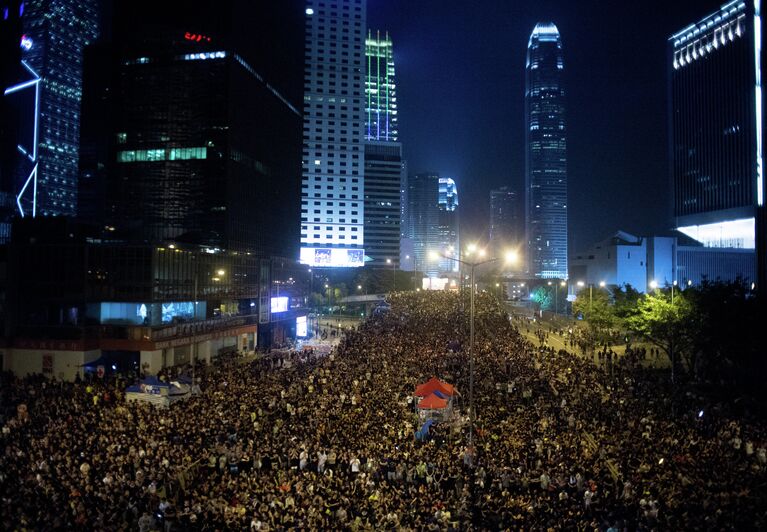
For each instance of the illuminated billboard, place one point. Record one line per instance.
(301, 330)
(279, 304)
(333, 257)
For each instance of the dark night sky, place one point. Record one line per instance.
(461, 73)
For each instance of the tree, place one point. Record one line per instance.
(595, 306)
(669, 326)
(625, 299)
(543, 296)
(729, 342)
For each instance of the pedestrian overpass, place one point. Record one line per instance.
(367, 298)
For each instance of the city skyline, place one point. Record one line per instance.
(617, 104)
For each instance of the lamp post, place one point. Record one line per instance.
(219, 275)
(556, 296)
(393, 274)
(509, 258)
(672, 292)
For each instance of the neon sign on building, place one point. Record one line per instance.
(196, 37)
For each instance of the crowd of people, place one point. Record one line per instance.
(328, 442)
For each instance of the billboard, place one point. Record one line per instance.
(279, 304)
(333, 257)
(301, 330)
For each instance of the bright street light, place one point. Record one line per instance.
(601, 284)
(511, 257)
(581, 284)
(471, 248)
(220, 272)
(653, 284)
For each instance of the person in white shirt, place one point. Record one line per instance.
(354, 463)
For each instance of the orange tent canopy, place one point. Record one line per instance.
(432, 401)
(434, 385)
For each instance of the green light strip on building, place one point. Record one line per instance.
(162, 154)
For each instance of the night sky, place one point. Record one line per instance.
(461, 76)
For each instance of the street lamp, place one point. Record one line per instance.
(220, 273)
(393, 274)
(472, 265)
(672, 292)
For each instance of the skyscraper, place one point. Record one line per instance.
(423, 219)
(11, 74)
(203, 147)
(546, 154)
(716, 129)
(447, 229)
(380, 89)
(384, 166)
(333, 182)
(56, 33)
(432, 222)
(505, 219)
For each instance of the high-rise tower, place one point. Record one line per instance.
(384, 167)
(546, 157)
(333, 181)
(56, 33)
(716, 129)
(505, 219)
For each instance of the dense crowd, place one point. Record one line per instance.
(328, 442)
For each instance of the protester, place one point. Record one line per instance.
(300, 441)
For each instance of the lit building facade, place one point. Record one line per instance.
(546, 154)
(716, 128)
(56, 33)
(448, 236)
(11, 74)
(380, 89)
(333, 181)
(384, 167)
(624, 258)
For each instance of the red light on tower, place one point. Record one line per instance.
(196, 37)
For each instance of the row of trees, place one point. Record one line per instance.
(711, 332)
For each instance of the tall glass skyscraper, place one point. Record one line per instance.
(546, 155)
(333, 182)
(56, 33)
(384, 167)
(716, 129)
(380, 89)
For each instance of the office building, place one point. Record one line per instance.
(384, 167)
(546, 154)
(333, 181)
(78, 299)
(383, 177)
(214, 162)
(506, 220)
(423, 219)
(55, 36)
(716, 129)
